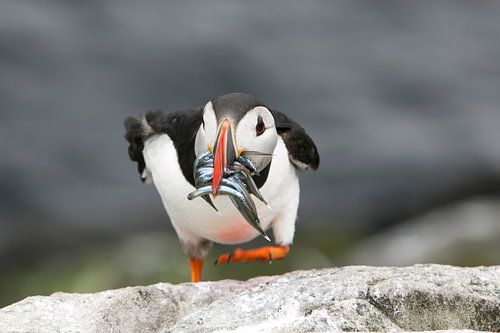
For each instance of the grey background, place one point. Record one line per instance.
(402, 99)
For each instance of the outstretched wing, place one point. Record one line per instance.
(301, 149)
(180, 126)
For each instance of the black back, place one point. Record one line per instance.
(300, 146)
(181, 127)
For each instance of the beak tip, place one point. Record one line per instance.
(215, 187)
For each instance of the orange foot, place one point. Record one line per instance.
(196, 266)
(266, 253)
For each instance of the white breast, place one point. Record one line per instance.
(196, 219)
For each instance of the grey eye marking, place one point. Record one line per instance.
(260, 127)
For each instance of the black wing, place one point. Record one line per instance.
(301, 149)
(180, 126)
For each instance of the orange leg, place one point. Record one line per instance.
(196, 266)
(266, 253)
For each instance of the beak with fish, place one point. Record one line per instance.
(235, 181)
(229, 171)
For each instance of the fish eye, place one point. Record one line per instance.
(260, 127)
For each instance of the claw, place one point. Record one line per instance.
(266, 254)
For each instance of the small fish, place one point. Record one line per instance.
(255, 153)
(244, 203)
(203, 177)
(252, 220)
(203, 174)
(199, 192)
(207, 198)
(205, 160)
(237, 183)
(248, 164)
(245, 207)
(245, 176)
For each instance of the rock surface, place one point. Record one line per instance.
(421, 297)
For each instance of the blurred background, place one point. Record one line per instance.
(402, 99)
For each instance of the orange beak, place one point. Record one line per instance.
(224, 154)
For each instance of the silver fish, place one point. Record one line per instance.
(246, 207)
(248, 164)
(205, 159)
(237, 183)
(203, 174)
(203, 178)
(245, 176)
(260, 160)
(255, 153)
(199, 192)
(252, 220)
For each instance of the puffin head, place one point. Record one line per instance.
(235, 124)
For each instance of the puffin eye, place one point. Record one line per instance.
(260, 127)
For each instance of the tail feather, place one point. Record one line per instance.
(134, 134)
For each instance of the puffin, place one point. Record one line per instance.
(165, 147)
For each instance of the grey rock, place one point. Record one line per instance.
(355, 298)
(451, 234)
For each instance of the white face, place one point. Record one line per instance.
(207, 133)
(256, 131)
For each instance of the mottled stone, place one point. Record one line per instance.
(356, 298)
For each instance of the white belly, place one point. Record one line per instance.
(196, 219)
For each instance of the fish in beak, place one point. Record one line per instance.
(228, 173)
(225, 153)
